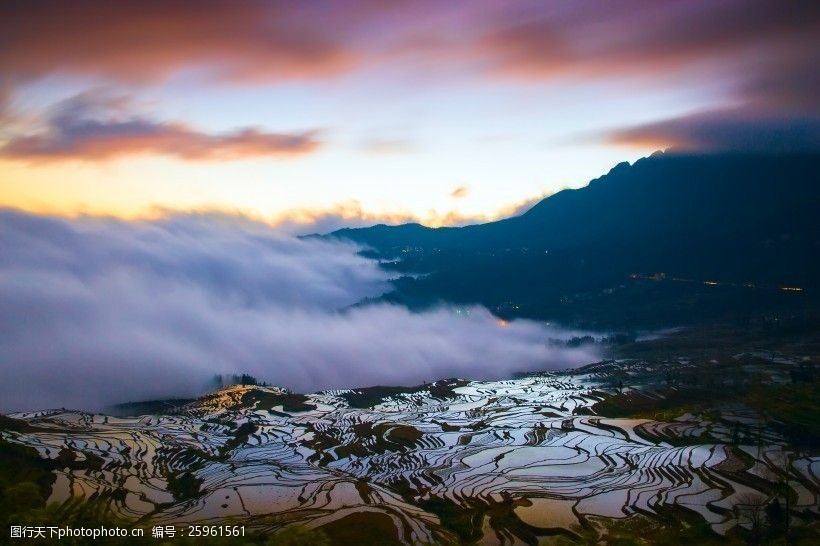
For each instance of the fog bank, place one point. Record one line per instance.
(97, 311)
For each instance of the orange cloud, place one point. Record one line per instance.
(138, 41)
(319, 220)
(460, 192)
(454, 218)
(91, 126)
(108, 141)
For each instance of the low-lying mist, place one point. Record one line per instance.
(98, 311)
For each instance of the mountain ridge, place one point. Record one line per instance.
(735, 219)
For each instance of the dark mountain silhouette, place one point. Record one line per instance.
(642, 245)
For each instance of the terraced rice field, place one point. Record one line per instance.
(492, 462)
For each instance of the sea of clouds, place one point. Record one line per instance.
(97, 311)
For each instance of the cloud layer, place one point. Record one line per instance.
(96, 126)
(250, 40)
(144, 41)
(727, 130)
(352, 214)
(98, 311)
(762, 52)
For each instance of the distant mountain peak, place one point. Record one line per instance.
(734, 220)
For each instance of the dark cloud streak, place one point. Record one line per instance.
(726, 131)
(589, 39)
(93, 126)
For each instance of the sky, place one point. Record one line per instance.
(331, 113)
(157, 157)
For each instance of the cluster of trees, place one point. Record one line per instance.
(227, 380)
(580, 341)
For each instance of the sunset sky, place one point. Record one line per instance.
(435, 111)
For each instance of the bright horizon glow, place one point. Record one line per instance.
(124, 188)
